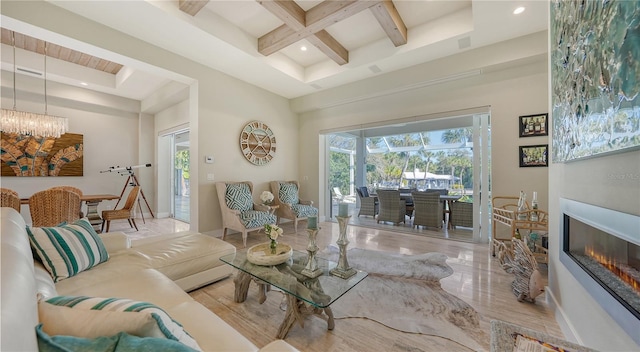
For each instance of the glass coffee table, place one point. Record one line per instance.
(305, 296)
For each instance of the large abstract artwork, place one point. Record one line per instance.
(595, 73)
(24, 155)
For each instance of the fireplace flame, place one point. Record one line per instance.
(621, 270)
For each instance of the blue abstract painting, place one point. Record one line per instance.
(595, 77)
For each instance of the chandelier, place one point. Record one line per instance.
(29, 123)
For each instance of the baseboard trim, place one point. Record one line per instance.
(570, 333)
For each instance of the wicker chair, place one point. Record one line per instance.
(10, 198)
(368, 204)
(427, 208)
(126, 212)
(408, 200)
(75, 190)
(290, 206)
(52, 207)
(461, 214)
(239, 212)
(392, 208)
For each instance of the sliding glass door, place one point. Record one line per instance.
(449, 153)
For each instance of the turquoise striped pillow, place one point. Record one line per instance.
(68, 249)
(166, 326)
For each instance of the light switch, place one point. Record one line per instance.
(209, 177)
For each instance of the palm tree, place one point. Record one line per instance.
(460, 135)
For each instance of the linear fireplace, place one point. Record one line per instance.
(601, 249)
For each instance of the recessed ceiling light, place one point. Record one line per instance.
(519, 10)
(84, 83)
(303, 48)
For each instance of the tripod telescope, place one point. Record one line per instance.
(132, 180)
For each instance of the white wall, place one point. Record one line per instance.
(610, 182)
(110, 137)
(218, 107)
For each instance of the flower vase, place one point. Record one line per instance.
(273, 246)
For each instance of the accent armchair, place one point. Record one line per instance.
(291, 207)
(368, 204)
(427, 208)
(392, 208)
(239, 212)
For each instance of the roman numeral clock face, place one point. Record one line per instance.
(258, 143)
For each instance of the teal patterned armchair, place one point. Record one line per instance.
(239, 212)
(290, 206)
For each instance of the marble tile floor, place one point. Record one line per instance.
(478, 279)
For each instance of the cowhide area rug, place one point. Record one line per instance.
(403, 292)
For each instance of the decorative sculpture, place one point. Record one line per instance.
(343, 270)
(311, 269)
(527, 284)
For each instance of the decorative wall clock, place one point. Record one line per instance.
(258, 143)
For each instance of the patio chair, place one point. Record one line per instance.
(405, 193)
(52, 207)
(291, 207)
(461, 214)
(392, 208)
(10, 198)
(368, 204)
(239, 211)
(127, 212)
(427, 208)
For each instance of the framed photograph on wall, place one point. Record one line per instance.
(533, 125)
(534, 155)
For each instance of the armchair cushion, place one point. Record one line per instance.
(289, 193)
(255, 218)
(303, 211)
(238, 197)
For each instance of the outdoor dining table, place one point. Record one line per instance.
(447, 199)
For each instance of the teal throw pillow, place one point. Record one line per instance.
(67, 250)
(122, 342)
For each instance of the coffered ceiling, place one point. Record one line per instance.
(261, 42)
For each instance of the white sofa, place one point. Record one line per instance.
(158, 270)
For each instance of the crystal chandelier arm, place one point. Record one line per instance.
(46, 106)
(13, 42)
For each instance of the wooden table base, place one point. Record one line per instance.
(297, 310)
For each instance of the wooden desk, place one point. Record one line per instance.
(92, 201)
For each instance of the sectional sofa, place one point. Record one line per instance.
(41, 306)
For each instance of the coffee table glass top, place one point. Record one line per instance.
(321, 291)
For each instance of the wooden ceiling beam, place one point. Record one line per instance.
(300, 24)
(29, 43)
(287, 11)
(317, 19)
(294, 18)
(330, 47)
(192, 7)
(389, 18)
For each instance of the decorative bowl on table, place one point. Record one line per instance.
(260, 254)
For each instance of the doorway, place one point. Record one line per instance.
(181, 175)
(451, 153)
(174, 174)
